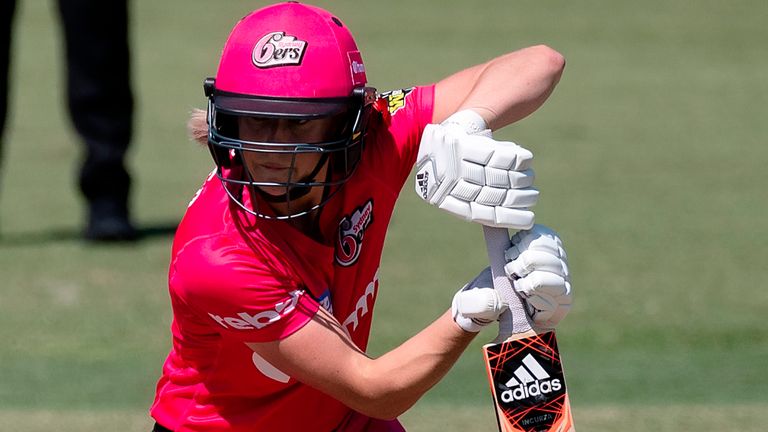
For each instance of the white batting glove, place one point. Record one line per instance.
(477, 304)
(464, 171)
(538, 267)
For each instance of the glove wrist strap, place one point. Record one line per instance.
(468, 120)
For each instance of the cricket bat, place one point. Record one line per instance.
(523, 364)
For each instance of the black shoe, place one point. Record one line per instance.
(109, 223)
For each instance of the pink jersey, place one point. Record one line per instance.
(235, 278)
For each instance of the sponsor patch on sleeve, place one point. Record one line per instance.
(396, 99)
(256, 321)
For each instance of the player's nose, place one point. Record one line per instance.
(279, 132)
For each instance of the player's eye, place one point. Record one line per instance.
(299, 123)
(259, 122)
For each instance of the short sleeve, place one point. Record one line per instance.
(406, 112)
(238, 294)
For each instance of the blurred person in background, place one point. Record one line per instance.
(100, 102)
(274, 267)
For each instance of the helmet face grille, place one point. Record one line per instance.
(240, 162)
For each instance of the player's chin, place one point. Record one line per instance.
(274, 191)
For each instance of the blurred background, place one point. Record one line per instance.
(650, 158)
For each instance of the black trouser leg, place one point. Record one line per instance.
(99, 96)
(160, 428)
(7, 8)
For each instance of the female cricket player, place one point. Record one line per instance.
(274, 269)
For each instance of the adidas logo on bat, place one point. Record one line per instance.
(529, 380)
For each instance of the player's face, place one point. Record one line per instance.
(265, 166)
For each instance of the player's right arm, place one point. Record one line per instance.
(265, 307)
(321, 355)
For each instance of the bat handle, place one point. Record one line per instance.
(515, 320)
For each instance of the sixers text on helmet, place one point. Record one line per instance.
(278, 49)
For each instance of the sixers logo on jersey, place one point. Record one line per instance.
(350, 237)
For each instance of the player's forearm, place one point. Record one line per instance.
(503, 90)
(400, 377)
(511, 87)
(321, 355)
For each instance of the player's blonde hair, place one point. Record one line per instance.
(197, 126)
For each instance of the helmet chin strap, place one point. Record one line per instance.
(296, 192)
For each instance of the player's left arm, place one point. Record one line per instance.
(463, 170)
(460, 167)
(503, 90)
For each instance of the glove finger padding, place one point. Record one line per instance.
(476, 177)
(540, 238)
(543, 282)
(477, 304)
(547, 296)
(546, 312)
(531, 260)
(538, 267)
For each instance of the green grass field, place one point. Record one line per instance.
(650, 159)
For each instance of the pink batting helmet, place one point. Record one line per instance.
(291, 50)
(291, 61)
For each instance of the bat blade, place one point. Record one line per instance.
(528, 384)
(523, 365)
